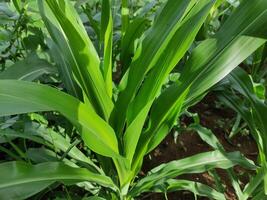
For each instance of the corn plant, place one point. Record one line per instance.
(121, 130)
(243, 96)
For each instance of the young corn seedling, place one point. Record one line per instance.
(122, 130)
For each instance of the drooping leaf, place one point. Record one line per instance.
(133, 132)
(21, 180)
(194, 187)
(29, 69)
(194, 164)
(241, 35)
(18, 97)
(58, 142)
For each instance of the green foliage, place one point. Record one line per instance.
(112, 120)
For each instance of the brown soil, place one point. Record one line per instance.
(189, 143)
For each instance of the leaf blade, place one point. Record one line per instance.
(96, 133)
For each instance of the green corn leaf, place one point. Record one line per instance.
(156, 78)
(207, 136)
(163, 121)
(199, 189)
(17, 5)
(106, 36)
(65, 72)
(133, 32)
(183, 38)
(242, 83)
(133, 132)
(18, 97)
(146, 9)
(57, 141)
(214, 58)
(160, 124)
(7, 135)
(148, 53)
(23, 192)
(194, 164)
(217, 67)
(28, 70)
(40, 155)
(231, 45)
(64, 24)
(20, 180)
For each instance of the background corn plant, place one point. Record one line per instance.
(122, 121)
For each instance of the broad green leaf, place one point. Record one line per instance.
(159, 126)
(162, 122)
(29, 69)
(195, 164)
(18, 97)
(156, 77)
(182, 39)
(41, 155)
(133, 32)
(23, 192)
(106, 36)
(133, 132)
(194, 187)
(63, 23)
(148, 53)
(214, 58)
(21, 180)
(58, 142)
(217, 66)
(9, 135)
(242, 34)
